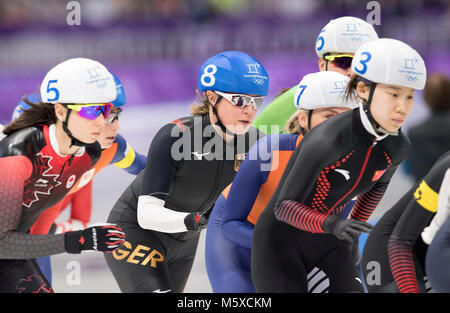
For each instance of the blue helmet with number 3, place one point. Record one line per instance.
(390, 61)
(235, 72)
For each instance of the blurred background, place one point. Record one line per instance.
(156, 48)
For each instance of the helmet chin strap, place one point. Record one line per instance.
(366, 107)
(74, 141)
(219, 121)
(303, 130)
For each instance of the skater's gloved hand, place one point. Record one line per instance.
(197, 220)
(348, 229)
(101, 237)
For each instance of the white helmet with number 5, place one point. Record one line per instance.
(78, 80)
(344, 34)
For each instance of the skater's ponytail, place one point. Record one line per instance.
(38, 113)
(293, 125)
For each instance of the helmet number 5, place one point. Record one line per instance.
(363, 70)
(321, 40)
(208, 79)
(53, 89)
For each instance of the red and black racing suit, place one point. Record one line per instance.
(338, 160)
(34, 177)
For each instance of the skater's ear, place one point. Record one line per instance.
(212, 97)
(60, 112)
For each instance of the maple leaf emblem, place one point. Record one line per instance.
(33, 284)
(36, 185)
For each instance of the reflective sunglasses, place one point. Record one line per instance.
(113, 116)
(343, 61)
(241, 100)
(91, 111)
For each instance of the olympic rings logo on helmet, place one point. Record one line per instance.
(258, 81)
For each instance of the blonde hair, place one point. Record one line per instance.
(201, 105)
(293, 125)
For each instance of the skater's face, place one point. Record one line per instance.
(85, 130)
(109, 132)
(237, 119)
(318, 116)
(341, 63)
(391, 104)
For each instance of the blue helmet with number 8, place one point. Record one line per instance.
(235, 72)
(392, 62)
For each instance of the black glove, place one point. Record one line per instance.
(102, 237)
(197, 220)
(348, 229)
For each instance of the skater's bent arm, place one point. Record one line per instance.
(368, 201)
(417, 215)
(158, 176)
(127, 158)
(16, 245)
(242, 196)
(302, 171)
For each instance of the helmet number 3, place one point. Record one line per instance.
(363, 70)
(208, 79)
(53, 89)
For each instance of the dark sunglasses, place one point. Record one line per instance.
(343, 61)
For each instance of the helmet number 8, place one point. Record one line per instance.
(209, 72)
(363, 63)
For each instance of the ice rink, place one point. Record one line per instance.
(138, 125)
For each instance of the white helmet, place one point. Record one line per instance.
(390, 61)
(322, 90)
(78, 80)
(344, 34)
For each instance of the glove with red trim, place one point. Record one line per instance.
(197, 221)
(101, 237)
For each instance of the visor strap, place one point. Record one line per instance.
(310, 113)
(219, 121)
(74, 141)
(366, 108)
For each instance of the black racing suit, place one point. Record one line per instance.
(336, 161)
(34, 177)
(395, 243)
(160, 261)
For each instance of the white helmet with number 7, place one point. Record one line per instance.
(322, 90)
